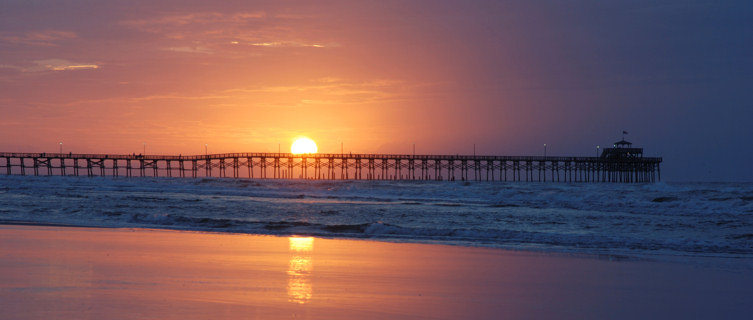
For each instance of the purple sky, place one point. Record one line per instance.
(378, 76)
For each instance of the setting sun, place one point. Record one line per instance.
(303, 145)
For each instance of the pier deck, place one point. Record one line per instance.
(328, 166)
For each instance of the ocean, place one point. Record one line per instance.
(635, 220)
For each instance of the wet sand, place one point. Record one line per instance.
(92, 273)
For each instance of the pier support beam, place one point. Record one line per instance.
(378, 167)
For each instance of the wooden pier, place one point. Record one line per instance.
(609, 167)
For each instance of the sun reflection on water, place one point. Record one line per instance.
(298, 244)
(299, 270)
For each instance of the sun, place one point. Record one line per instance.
(303, 145)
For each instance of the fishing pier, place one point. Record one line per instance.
(619, 164)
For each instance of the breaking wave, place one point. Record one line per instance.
(664, 218)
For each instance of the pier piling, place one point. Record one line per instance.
(345, 166)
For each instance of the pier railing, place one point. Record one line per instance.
(336, 166)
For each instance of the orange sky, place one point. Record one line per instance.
(376, 76)
(237, 79)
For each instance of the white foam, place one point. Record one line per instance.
(686, 218)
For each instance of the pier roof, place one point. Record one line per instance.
(623, 143)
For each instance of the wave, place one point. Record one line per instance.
(738, 244)
(685, 218)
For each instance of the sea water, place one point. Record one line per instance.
(680, 219)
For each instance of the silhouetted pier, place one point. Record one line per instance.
(622, 165)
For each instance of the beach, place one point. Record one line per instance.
(121, 273)
(376, 160)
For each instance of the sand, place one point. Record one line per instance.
(92, 273)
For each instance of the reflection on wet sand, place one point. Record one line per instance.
(299, 269)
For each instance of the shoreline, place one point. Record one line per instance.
(614, 220)
(661, 257)
(118, 273)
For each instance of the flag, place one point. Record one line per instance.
(624, 132)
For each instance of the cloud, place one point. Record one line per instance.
(182, 25)
(12, 67)
(47, 38)
(59, 65)
(289, 44)
(212, 32)
(329, 91)
(202, 50)
(51, 65)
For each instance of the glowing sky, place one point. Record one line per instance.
(378, 76)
